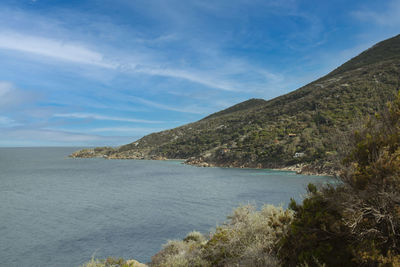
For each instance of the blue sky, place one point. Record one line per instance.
(99, 72)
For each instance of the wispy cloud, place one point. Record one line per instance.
(101, 117)
(81, 54)
(52, 48)
(192, 76)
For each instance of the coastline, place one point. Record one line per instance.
(301, 168)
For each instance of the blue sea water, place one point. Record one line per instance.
(58, 211)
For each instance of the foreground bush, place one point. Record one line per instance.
(182, 253)
(371, 209)
(113, 262)
(317, 234)
(356, 223)
(248, 238)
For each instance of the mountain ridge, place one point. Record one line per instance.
(299, 128)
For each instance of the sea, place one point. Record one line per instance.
(60, 211)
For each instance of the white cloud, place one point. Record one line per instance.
(198, 77)
(101, 117)
(212, 68)
(222, 76)
(52, 48)
(146, 63)
(140, 59)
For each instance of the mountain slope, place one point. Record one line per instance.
(243, 106)
(300, 127)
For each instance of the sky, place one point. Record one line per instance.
(101, 72)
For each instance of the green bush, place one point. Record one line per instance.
(317, 234)
(358, 221)
(372, 177)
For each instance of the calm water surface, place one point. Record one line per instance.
(57, 211)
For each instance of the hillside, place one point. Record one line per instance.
(302, 127)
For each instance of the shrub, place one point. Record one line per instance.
(112, 262)
(372, 177)
(248, 238)
(181, 253)
(317, 235)
(358, 221)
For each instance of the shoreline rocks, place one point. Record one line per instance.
(110, 153)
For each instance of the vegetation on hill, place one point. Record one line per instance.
(302, 127)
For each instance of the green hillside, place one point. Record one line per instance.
(302, 127)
